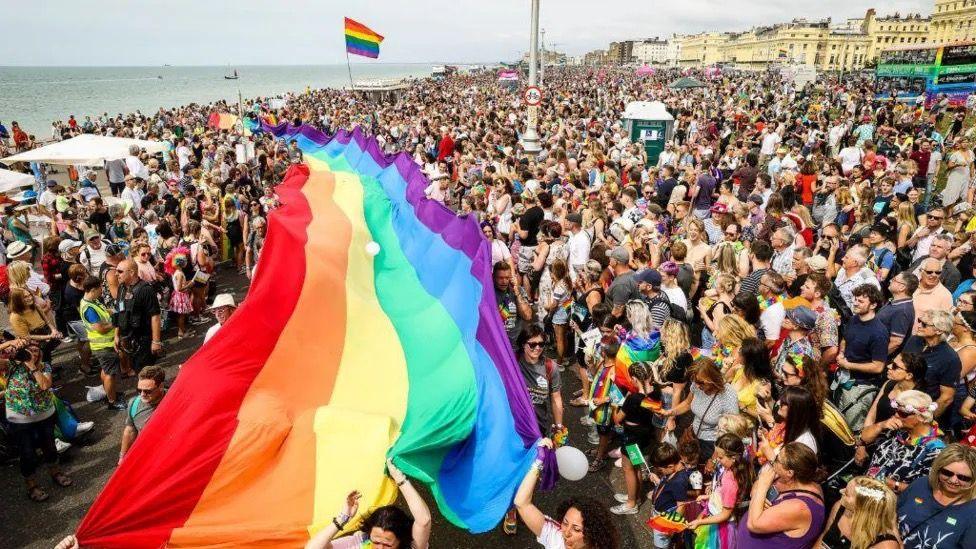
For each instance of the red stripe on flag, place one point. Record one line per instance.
(192, 434)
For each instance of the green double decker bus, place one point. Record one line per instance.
(932, 71)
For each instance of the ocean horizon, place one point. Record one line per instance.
(37, 96)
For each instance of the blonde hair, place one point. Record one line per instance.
(674, 341)
(949, 455)
(725, 283)
(873, 513)
(17, 273)
(736, 424)
(803, 213)
(733, 330)
(639, 316)
(918, 401)
(906, 216)
(844, 196)
(726, 260)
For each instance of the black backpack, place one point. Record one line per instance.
(837, 302)
(675, 311)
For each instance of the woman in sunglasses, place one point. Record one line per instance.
(905, 372)
(940, 511)
(905, 445)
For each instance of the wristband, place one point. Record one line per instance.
(538, 465)
(337, 525)
(402, 482)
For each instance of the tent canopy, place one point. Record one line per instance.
(86, 149)
(685, 83)
(647, 110)
(10, 181)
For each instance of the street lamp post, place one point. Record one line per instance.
(530, 139)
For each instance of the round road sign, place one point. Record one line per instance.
(532, 96)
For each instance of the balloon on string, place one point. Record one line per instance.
(572, 463)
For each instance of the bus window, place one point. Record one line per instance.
(959, 55)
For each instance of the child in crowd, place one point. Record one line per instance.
(715, 528)
(673, 484)
(604, 396)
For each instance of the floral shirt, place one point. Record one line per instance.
(904, 458)
(824, 334)
(25, 398)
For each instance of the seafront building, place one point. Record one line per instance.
(826, 45)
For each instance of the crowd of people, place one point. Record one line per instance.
(771, 324)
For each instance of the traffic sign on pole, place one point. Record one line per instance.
(532, 96)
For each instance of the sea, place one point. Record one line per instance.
(36, 96)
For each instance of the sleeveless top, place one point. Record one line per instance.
(780, 540)
(834, 539)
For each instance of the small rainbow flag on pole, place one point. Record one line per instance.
(361, 40)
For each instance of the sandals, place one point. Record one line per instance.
(62, 479)
(37, 494)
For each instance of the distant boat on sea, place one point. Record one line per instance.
(226, 77)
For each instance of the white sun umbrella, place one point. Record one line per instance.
(10, 180)
(87, 150)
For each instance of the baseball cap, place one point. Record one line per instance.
(650, 276)
(619, 254)
(802, 317)
(66, 245)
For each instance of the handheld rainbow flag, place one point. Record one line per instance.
(361, 40)
(670, 522)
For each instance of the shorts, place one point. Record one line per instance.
(604, 429)
(526, 256)
(662, 540)
(641, 436)
(78, 327)
(560, 317)
(108, 361)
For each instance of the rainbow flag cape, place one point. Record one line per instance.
(669, 523)
(361, 40)
(635, 349)
(336, 360)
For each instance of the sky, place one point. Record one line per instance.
(298, 32)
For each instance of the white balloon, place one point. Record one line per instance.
(572, 463)
(372, 248)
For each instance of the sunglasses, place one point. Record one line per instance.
(146, 391)
(903, 414)
(936, 217)
(924, 324)
(534, 344)
(947, 474)
(932, 273)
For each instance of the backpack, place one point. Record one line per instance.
(837, 303)
(895, 269)
(675, 311)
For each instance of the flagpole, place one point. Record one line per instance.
(352, 85)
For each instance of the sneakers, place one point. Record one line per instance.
(593, 438)
(511, 522)
(621, 498)
(615, 453)
(587, 420)
(619, 462)
(61, 446)
(116, 406)
(84, 428)
(623, 509)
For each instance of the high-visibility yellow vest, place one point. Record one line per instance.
(96, 340)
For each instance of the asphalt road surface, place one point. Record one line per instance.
(91, 462)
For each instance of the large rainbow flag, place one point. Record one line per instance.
(336, 360)
(361, 40)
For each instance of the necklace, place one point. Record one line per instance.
(767, 302)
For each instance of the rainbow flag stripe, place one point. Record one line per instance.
(361, 40)
(635, 349)
(669, 523)
(335, 361)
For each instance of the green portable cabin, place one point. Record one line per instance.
(650, 123)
